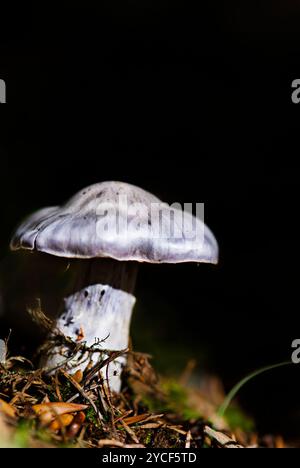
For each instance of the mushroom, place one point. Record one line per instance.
(108, 228)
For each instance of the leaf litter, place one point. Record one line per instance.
(69, 408)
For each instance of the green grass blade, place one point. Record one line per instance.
(231, 395)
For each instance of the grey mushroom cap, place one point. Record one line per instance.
(120, 221)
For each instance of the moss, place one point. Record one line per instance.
(148, 438)
(237, 419)
(91, 416)
(175, 401)
(67, 391)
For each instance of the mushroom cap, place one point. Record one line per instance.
(119, 221)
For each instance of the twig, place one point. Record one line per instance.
(130, 432)
(57, 390)
(222, 439)
(26, 387)
(82, 392)
(74, 397)
(176, 429)
(125, 415)
(113, 355)
(188, 439)
(116, 443)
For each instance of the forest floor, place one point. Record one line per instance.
(77, 409)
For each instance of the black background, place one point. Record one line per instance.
(193, 104)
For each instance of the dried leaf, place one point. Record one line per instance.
(78, 376)
(47, 412)
(151, 425)
(63, 421)
(135, 419)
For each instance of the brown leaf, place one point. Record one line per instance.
(78, 376)
(47, 412)
(63, 421)
(135, 419)
(151, 425)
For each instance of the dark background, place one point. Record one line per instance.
(193, 104)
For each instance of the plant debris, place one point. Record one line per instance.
(70, 408)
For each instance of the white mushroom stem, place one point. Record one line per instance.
(97, 312)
